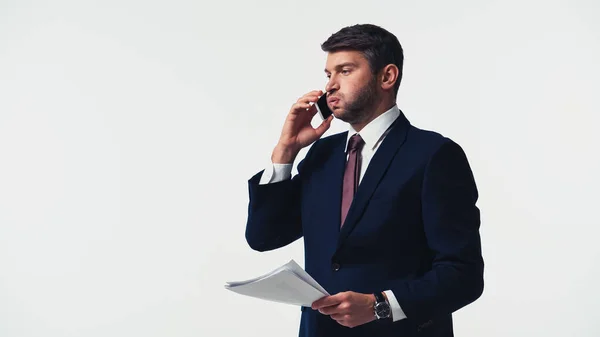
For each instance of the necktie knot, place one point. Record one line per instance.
(355, 143)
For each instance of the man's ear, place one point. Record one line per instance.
(389, 76)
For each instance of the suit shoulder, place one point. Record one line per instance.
(434, 144)
(430, 139)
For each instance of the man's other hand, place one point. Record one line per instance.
(348, 308)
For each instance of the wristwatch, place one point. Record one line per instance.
(382, 307)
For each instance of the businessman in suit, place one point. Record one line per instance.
(387, 210)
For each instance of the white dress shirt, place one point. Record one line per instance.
(372, 134)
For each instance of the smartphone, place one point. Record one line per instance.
(323, 108)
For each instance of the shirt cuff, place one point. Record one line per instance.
(397, 312)
(275, 173)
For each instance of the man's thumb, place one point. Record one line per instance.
(324, 126)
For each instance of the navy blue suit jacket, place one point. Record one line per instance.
(413, 228)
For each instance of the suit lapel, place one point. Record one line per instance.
(376, 170)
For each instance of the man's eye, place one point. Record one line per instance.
(345, 72)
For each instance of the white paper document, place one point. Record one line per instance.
(287, 284)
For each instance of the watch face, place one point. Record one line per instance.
(382, 310)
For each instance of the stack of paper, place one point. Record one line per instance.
(287, 284)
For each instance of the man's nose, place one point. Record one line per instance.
(332, 85)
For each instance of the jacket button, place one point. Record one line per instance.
(335, 266)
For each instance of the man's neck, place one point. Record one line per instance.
(379, 109)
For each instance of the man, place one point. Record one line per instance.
(387, 211)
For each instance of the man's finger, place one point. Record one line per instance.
(340, 317)
(308, 99)
(314, 93)
(321, 129)
(331, 310)
(326, 302)
(300, 105)
(311, 111)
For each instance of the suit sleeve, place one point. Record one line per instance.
(451, 223)
(274, 210)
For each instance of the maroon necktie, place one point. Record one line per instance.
(352, 173)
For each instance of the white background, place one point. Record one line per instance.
(128, 130)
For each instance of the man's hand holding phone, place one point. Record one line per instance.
(297, 131)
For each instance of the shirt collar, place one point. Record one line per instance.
(373, 132)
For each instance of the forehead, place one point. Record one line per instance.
(335, 59)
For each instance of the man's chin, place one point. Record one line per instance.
(340, 114)
(343, 116)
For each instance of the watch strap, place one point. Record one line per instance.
(381, 301)
(379, 297)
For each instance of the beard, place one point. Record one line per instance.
(359, 109)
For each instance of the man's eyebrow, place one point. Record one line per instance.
(340, 66)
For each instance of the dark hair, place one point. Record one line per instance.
(377, 45)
